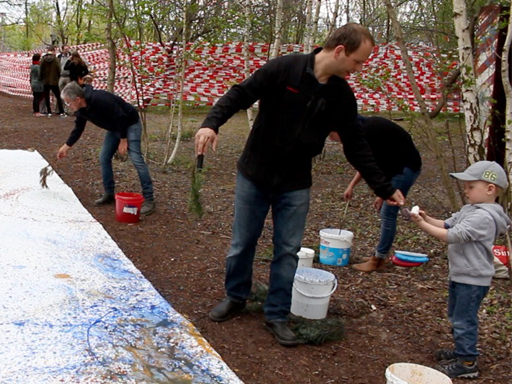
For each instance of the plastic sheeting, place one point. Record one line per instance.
(73, 308)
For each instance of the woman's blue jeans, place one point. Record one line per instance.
(109, 148)
(389, 213)
(289, 211)
(464, 301)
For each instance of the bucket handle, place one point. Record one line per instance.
(318, 296)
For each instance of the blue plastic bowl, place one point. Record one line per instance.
(412, 257)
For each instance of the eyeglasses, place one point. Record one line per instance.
(69, 103)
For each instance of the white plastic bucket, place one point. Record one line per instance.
(312, 290)
(407, 373)
(335, 246)
(306, 256)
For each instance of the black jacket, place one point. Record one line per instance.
(296, 114)
(392, 146)
(75, 70)
(107, 111)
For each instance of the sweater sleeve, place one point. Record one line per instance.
(242, 96)
(75, 134)
(359, 154)
(474, 227)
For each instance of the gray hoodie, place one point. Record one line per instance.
(471, 235)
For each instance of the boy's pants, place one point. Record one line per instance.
(463, 304)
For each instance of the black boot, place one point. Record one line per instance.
(282, 333)
(226, 310)
(107, 198)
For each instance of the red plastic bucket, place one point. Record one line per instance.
(128, 207)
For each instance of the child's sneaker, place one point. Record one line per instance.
(445, 355)
(458, 368)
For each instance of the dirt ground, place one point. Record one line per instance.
(394, 316)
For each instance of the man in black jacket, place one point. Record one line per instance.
(301, 99)
(122, 123)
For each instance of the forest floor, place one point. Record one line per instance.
(394, 316)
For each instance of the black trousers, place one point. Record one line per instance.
(36, 100)
(56, 92)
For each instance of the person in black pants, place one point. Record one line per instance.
(49, 74)
(35, 84)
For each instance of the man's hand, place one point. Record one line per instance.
(377, 204)
(396, 199)
(63, 151)
(204, 137)
(123, 147)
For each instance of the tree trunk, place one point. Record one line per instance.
(475, 136)
(335, 14)
(315, 22)
(247, 55)
(309, 27)
(279, 30)
(112, 51)
(505, 76)
(179, 96)
(432, 137)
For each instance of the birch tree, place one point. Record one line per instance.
(112, 50)
(278, 30)
(333, 17)
(179, 97)
(247, 54)
(470, 105)
(505, 76)
(308, 32)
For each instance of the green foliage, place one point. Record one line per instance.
(194, 203)
(315, 332)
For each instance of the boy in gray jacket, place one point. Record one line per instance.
(470, 234)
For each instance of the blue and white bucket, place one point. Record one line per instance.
(335, 245)
(312, 290)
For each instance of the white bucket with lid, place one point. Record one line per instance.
(407, 373)
(335, 245)
(306, 256)
(312, 290)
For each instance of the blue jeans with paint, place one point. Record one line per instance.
(464, 301)
(109, 148)
(389, 213)
(289, 211)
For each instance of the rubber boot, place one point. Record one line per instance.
(373, 264)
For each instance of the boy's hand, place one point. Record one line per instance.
(417, 218)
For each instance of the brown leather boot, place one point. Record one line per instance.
(373, 264)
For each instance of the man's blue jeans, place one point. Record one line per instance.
(389, 213)
(289, 211)
(464, 301)
(109, 148)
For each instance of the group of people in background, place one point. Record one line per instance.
(52, 72)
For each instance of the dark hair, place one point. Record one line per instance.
(351, 36)
(72, 91)
(36, 57)
(75, 57)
